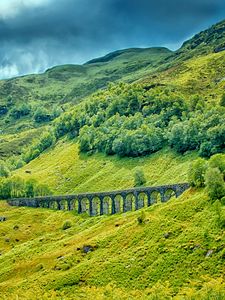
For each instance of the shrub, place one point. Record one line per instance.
(4, 171)
(218, 161)
(20, 111)
(141, 218)
(139, 177)
(220, 215)
(196, 173)
(42, 115)
(66, 225)
(214, 183)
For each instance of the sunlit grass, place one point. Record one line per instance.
(40, 260)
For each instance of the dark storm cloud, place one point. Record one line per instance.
(49, 32)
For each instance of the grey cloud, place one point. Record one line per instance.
(73, 31)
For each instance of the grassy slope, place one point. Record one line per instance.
(41, 261)
(66, 171)
(204, 75)
(12, 144)
(70, 83)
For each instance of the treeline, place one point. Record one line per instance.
(16, 187)
(135, 120)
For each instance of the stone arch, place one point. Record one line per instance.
(155, 196)
(118, 200)
(63, 204)
(73, 205)
(44, 204)
(96, 206)
(142, 200)
(107, 205)
(85, 205)
(53, 204)
(168, 194)
(129, 203)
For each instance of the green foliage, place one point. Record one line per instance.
(196, 172)
(215, 183)
(139, 177)
(141, 218)
(4, 170)
(16, 187)
(222, 100)
(42, 115)
(46, 140)
(66, 225)
(220, 214)
(20, 111)
(218, 161)
(209, 174)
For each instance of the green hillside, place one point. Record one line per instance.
(67, 172)
(178, 253)
(89, 128)
(63, 85)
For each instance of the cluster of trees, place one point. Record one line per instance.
(20, 110)
(46, 140)
(209, 174)
(15, 187)
(40, 114)
(134, 120)
(130, 120)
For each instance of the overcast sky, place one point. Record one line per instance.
(38, 34)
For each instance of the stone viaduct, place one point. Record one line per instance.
(101, 203)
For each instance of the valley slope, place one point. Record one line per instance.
(178, 252)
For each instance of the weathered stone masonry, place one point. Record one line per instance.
(105, 202)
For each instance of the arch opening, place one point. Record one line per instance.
(107, 205)
(118, 204)
(155, 197)
(142, 200)
(129, 203)
(85, 206)
(96, 206)
(74, 206)
(63, 205)
(170, 193)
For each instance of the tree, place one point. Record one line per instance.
(139, 177)
(4, 171)
(20, 111)
(214, 183)
(42, 190)
(30, 187)
(196, 172)
(42, 115)
(218, 161)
